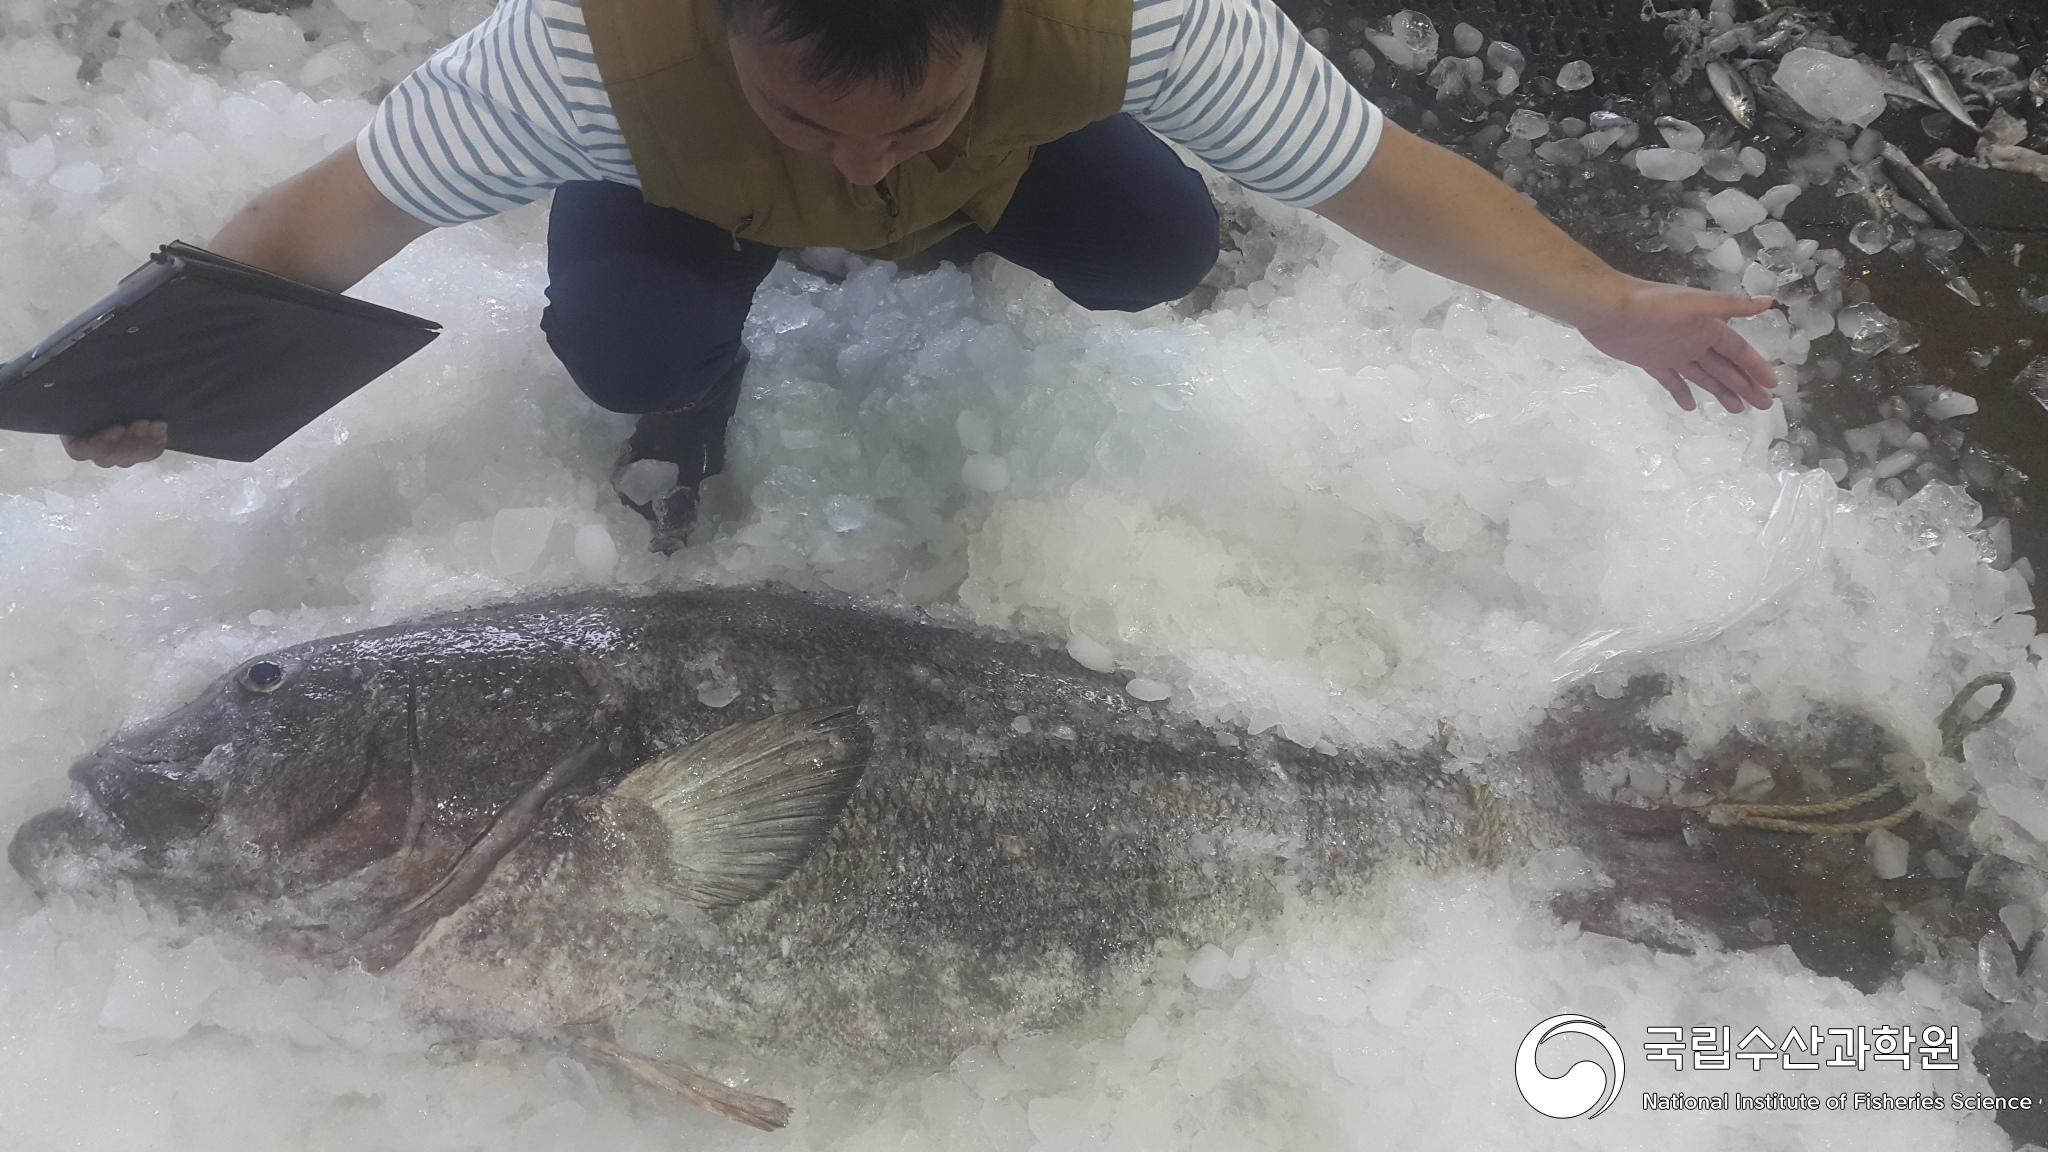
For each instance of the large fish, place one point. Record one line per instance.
(782, 826)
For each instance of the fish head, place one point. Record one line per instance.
(259, 783)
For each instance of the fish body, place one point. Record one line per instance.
(1943, 45)
(1733, 92)
(2013, 158)
(2037, 86)
(775, 824)
(1995, 83)
(1937, 85)
(1921, 190)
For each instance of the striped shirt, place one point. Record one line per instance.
(515, 107)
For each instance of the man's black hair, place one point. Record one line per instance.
(862, 41)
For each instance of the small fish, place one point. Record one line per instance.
(2037, 84)
(1932, 78)
(1991, 81)
(1733, 92)
(1944, 42)
(1896, 88)
(1921, 190)
(2013, 158)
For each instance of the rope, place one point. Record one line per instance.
(1780, 817)
(1771, 817)
(1954, 728)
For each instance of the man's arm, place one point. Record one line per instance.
(328, 227)
(1437, 210)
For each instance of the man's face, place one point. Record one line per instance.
(865, 130)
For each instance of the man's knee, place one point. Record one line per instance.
(638, 368)
(1172, 250)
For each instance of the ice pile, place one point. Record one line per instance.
(1830, 87)
(1350, 502)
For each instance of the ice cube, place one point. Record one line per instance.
(1090, 653)
(263, 42)
(1735, 210)
(1680, 134)
(1867, 327)
(1455, 76)
(1871, 236)
(82, 178)
(1147, 1040)
(977, 434)
(1895, 464)
(518, 537)
(644, 481)
(2021, 922)
(1949, 405)
(597, 556)
(33, 160)
(1597, 142)
(1997, 970)
(1728, 256)
(1769, 332)
(1829, 87)
(1666, 163)
(1754, 162)
(1407, 39)
(1562, 151)
(1940, 239)
(846, 513)
(1209, 968)
(1575, 75)
(1465, 39)
(1866, 146)
(1502, 56)
(1150, 691)
(985, 473)
(1773, 234)
(1889, 854)
(1752, 779)
(1529, 124)
(1777, 199)
(1722, 164)
(2033, 380)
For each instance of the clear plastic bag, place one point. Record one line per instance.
(1791, 541)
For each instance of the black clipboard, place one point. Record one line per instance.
(234, 359)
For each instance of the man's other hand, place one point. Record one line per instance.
(121, 445)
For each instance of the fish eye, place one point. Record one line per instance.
(263, 677)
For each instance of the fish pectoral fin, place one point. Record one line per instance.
(745, 806)
(760, 1112)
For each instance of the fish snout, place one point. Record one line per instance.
(45, 839)
(152, 803)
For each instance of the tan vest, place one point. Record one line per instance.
(1054, 66)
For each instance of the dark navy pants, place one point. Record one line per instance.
(645, 304)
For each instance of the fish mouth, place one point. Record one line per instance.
(46, 847)
(143, 797)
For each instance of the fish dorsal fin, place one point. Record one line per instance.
(745, 806)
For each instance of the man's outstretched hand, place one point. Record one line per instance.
(1680, 335)
(121, 445)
